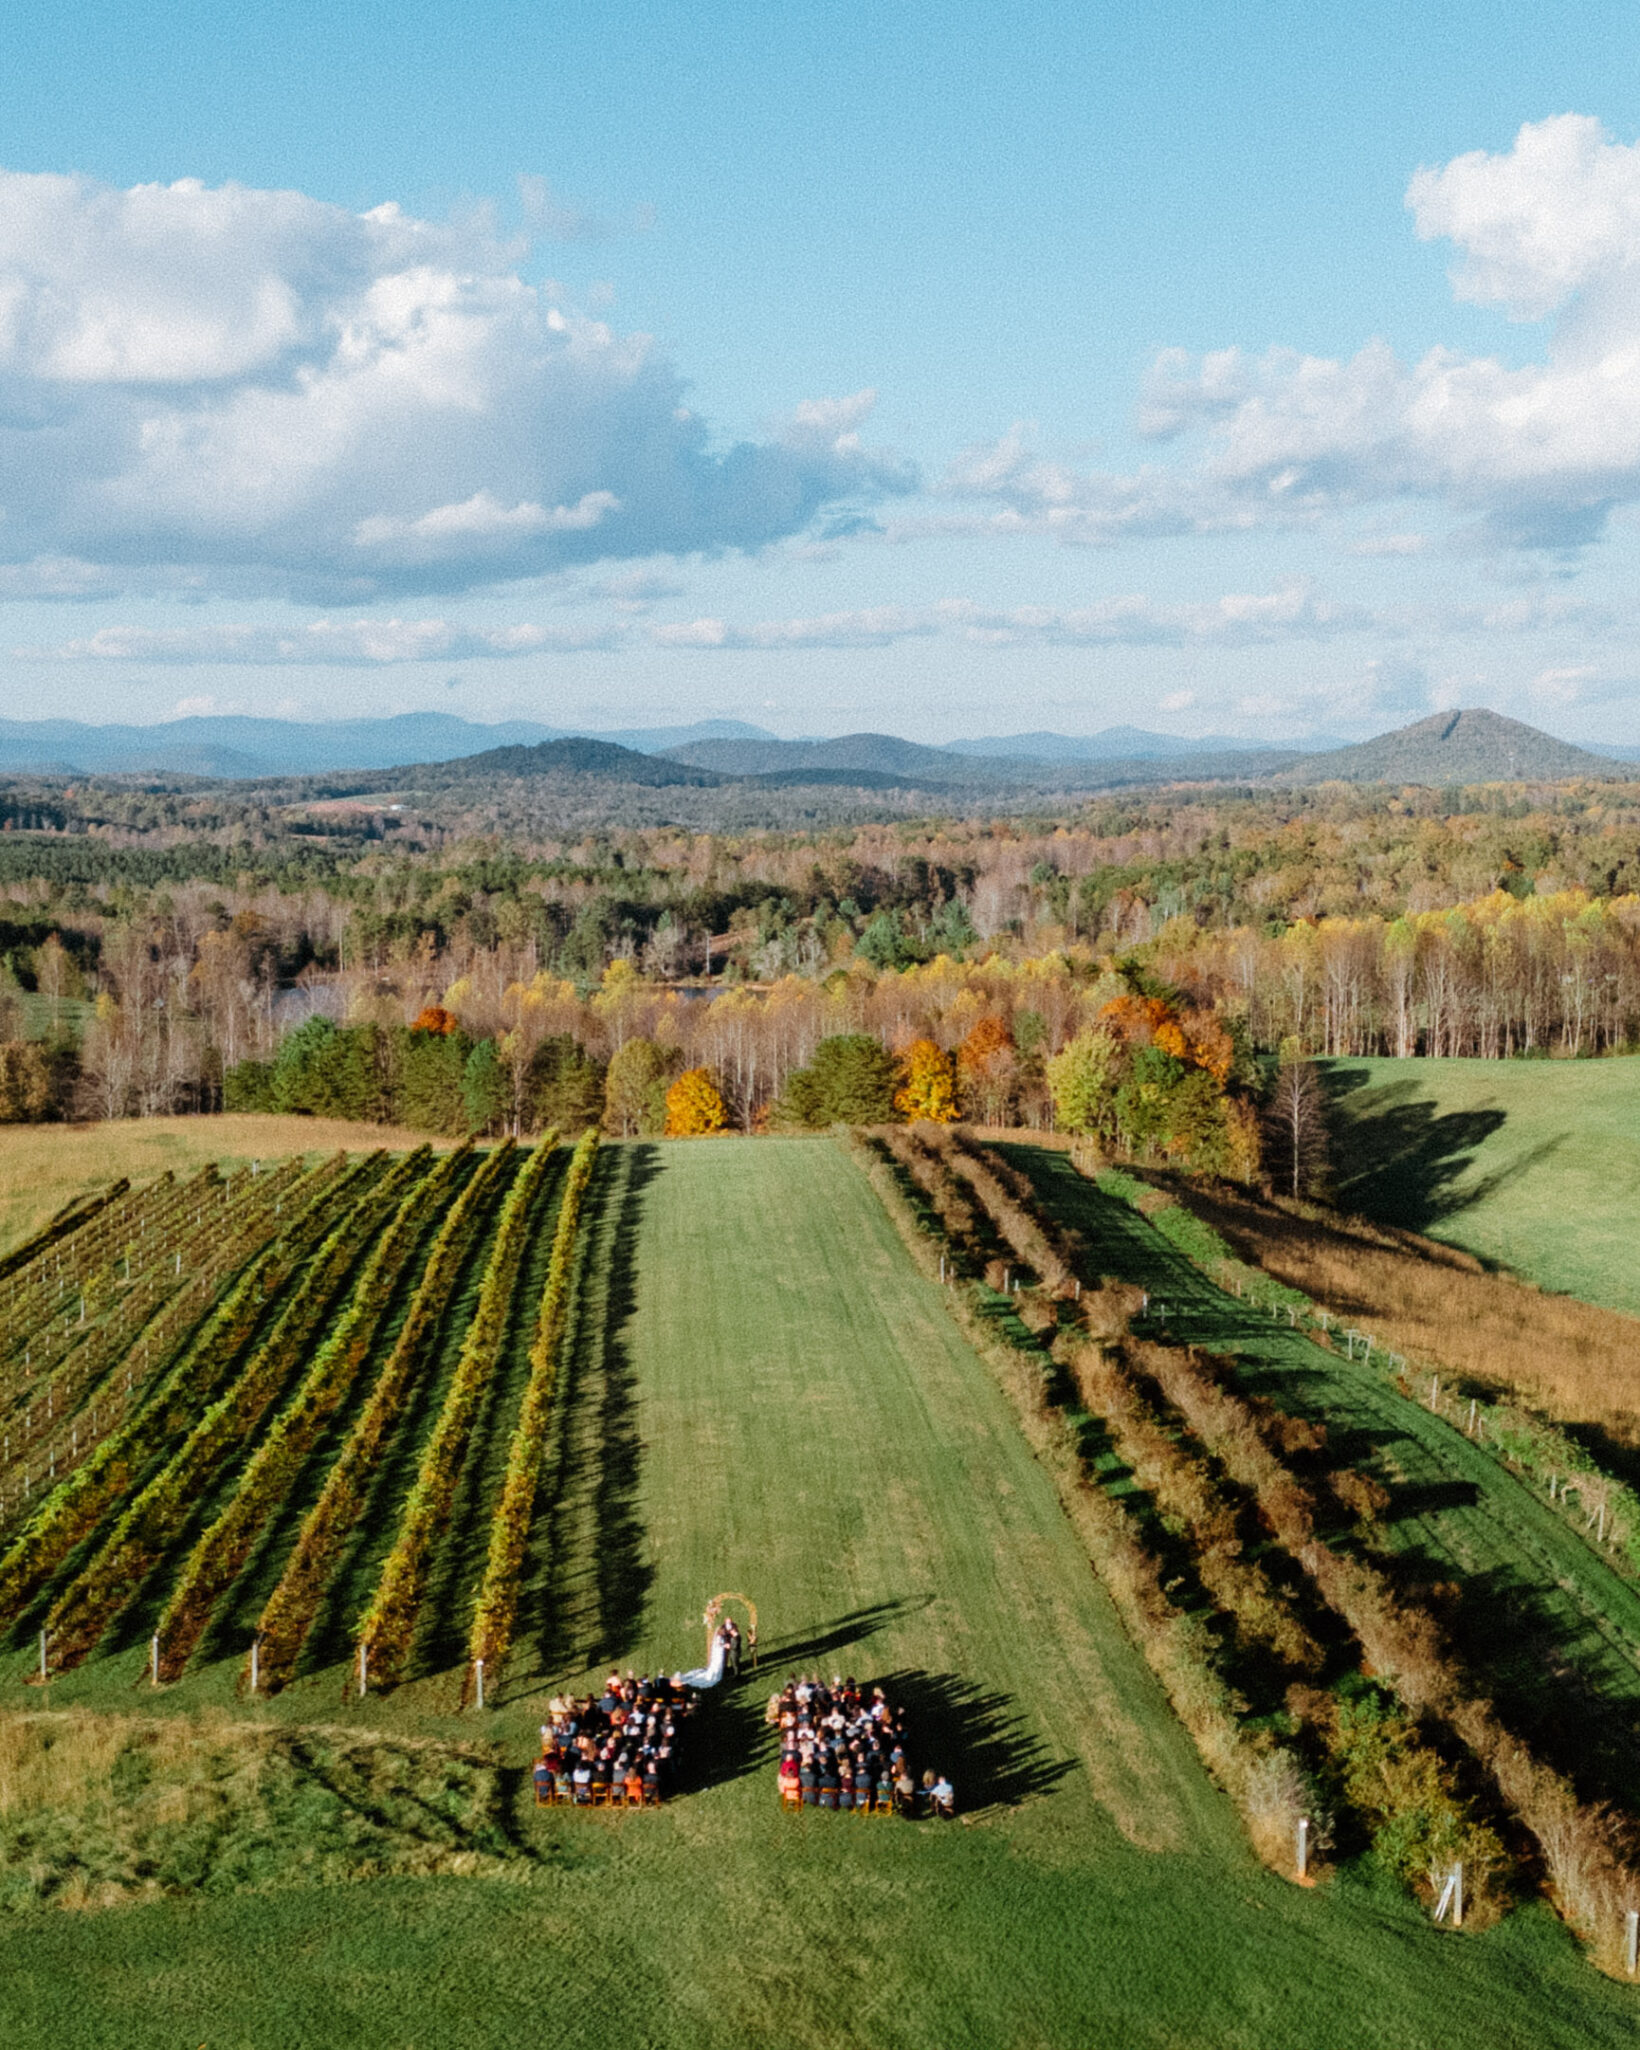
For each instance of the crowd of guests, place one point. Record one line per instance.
(843, 1745)
(614, 1749)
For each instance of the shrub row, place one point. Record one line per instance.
(74, 1509)
(216, 1559)
(1186, 1492)
(1267, 1782)
(1583, 1846)
(928, 1170)
(288, 1616)
(95, 1353)
(160, 1513)
(68, 1220)
(389, 1626)
(497, 1610)
(1007, 1198)
(41, 1314)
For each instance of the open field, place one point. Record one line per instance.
(42, 1167)
(762, 1393)
(1534, 1164)
(1574, 1360)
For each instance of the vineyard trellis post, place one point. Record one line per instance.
(1304, 1847)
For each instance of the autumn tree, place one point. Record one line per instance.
(1297, 1124)
(988, 1071)
(695, 1106)
(929, 1089)
(1082, 1080)
(635, 1089)
(25, 1083)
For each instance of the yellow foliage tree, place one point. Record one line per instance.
(930, 1088)
(695, 1107)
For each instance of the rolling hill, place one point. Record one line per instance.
(1473, 746)
(232, 747)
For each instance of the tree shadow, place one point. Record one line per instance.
(978, 1738)
(1412, 1499)
(1400, 1159)
(729, 1737)
(1549, 1674)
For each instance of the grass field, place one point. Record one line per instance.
(1534, 1164)
(764, 1395)
(42, 1167)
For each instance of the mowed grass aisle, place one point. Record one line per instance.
(812, 1430)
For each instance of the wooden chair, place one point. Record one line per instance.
(601, 1792)
(791, 1796)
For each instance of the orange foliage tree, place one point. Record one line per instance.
(929, 1089)
(987, 1070)
(694, 1106)
(435, 1018)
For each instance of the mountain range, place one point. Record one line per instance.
(437, 748)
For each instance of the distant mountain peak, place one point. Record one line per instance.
(1471, 745)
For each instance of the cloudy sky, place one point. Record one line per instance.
(942, 370)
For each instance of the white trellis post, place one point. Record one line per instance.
(478, 1670)
(1631, 1932)
(1304, 1847)
(256, 1647)
(153, 1660)
(364, 1669)
(44, 1674)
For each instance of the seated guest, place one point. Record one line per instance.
(543, 1780)
(944, 1797)
(905, 1792)
(925, 1795)
(632, 1786)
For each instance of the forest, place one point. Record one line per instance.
(169, 950)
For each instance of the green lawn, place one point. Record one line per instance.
(766, 1396)
(1535, 1164)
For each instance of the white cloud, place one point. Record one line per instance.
(253, 387)
(873, 628)
(343, 642)
(1294, 611)
(1539, 454)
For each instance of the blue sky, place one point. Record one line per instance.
(939, 370)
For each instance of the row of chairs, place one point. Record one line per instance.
(880, 1803)
(599, 1795)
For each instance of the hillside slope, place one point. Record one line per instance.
(1535, 1164)
(1454, 747)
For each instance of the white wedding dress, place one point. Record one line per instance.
(709, 1676)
